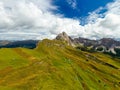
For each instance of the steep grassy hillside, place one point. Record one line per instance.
(55, 66)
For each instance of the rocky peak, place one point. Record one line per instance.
(64, 37)
(108, 44)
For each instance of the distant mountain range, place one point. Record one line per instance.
(13, 44)
(107, 45)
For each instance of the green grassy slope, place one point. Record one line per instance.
(55, 66)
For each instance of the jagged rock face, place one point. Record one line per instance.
(108, 44)
(85, 42)
(64, 37)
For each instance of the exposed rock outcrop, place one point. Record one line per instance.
(106, 44)
(64, 37)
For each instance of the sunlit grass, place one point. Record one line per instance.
(55, 66)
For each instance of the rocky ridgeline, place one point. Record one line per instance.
(102, 45)
(107, 45)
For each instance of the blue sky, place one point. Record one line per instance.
(39, 19)
(81, 9)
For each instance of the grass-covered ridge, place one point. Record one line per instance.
(55, 66)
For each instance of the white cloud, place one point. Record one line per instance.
(33, 19)
(109, 26)
(72, 3)
(21, 18)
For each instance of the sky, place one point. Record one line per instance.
(39, 19)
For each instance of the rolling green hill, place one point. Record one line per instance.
(53, 65)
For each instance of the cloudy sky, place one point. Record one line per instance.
(38, 19)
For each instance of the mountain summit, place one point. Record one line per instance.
(64, 37)
(108, 45)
